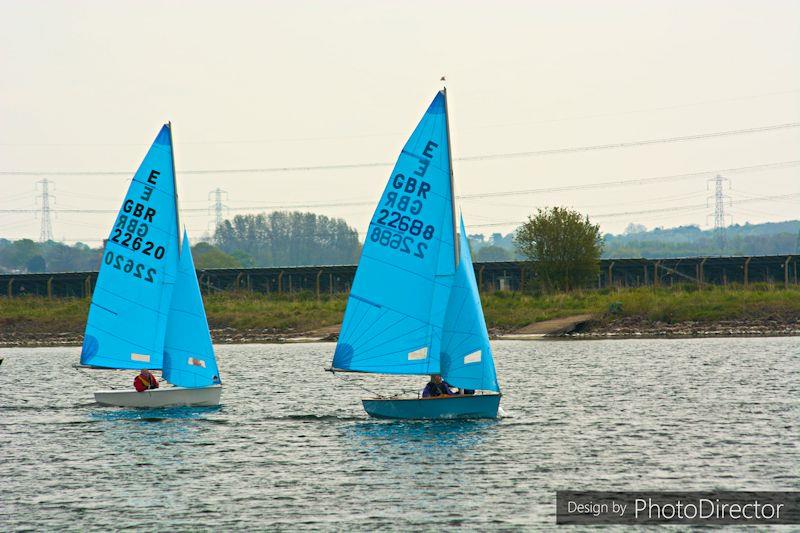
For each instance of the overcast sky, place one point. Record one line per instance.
(85, 86)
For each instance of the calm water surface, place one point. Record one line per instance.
(291, 448)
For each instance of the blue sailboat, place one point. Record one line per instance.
(414, 307)
(146, 310)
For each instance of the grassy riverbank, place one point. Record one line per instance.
(244, 316)
(508, 311)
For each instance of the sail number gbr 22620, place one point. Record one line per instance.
(397, 224)
(137, 270)
(130, 232)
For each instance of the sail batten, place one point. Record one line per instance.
(394, 316)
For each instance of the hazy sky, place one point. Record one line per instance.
(85, 86)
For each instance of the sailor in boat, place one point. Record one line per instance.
(437, 387)
(145, 381)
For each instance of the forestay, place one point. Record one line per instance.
(188, 353)
(128, 315)
(393, 322)
(467, 360)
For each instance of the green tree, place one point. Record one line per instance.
(208, 256)
(36, 264)
(289, 239)
(493, 253)
(17, 254)
(244, 259)
(563, 246)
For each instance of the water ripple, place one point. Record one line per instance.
(291, 448)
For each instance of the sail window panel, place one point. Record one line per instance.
(422, 353)
(474, 357)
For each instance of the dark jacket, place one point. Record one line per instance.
(436, 389)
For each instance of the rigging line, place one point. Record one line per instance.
(483, 157)
(92, 377)
(354, 384)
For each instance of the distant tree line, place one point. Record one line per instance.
(25, 255)
(771, 238)
(274, 239)
(288, 239)
(496, 247)
(293, 239)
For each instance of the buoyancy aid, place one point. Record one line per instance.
(143, 382)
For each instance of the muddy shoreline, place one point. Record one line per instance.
(622, 328)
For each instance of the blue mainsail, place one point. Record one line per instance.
(467, 360)
(394, 316)
(128, 315)
(188, 353)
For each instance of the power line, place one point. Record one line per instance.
(630, 144)
(636, 111)
(634, 181)
(696, 207)
(483, 157)
(588, 186)
(684, 209)
(398, 133)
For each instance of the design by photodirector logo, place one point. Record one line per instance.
(728, 507)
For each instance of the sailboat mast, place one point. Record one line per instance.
(175, 189)
(452, 184)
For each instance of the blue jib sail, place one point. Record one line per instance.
(128, 315)
(467, 360)
(394, 316)
(188, 354)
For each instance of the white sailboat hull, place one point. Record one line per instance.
(166, 397)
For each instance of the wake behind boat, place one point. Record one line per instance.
(414, 307)
(147, 311)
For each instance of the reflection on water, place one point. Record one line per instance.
(291, 448)
(419, 436)
(151, 415)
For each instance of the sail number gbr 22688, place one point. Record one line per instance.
(396, 225)
(401, 223)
